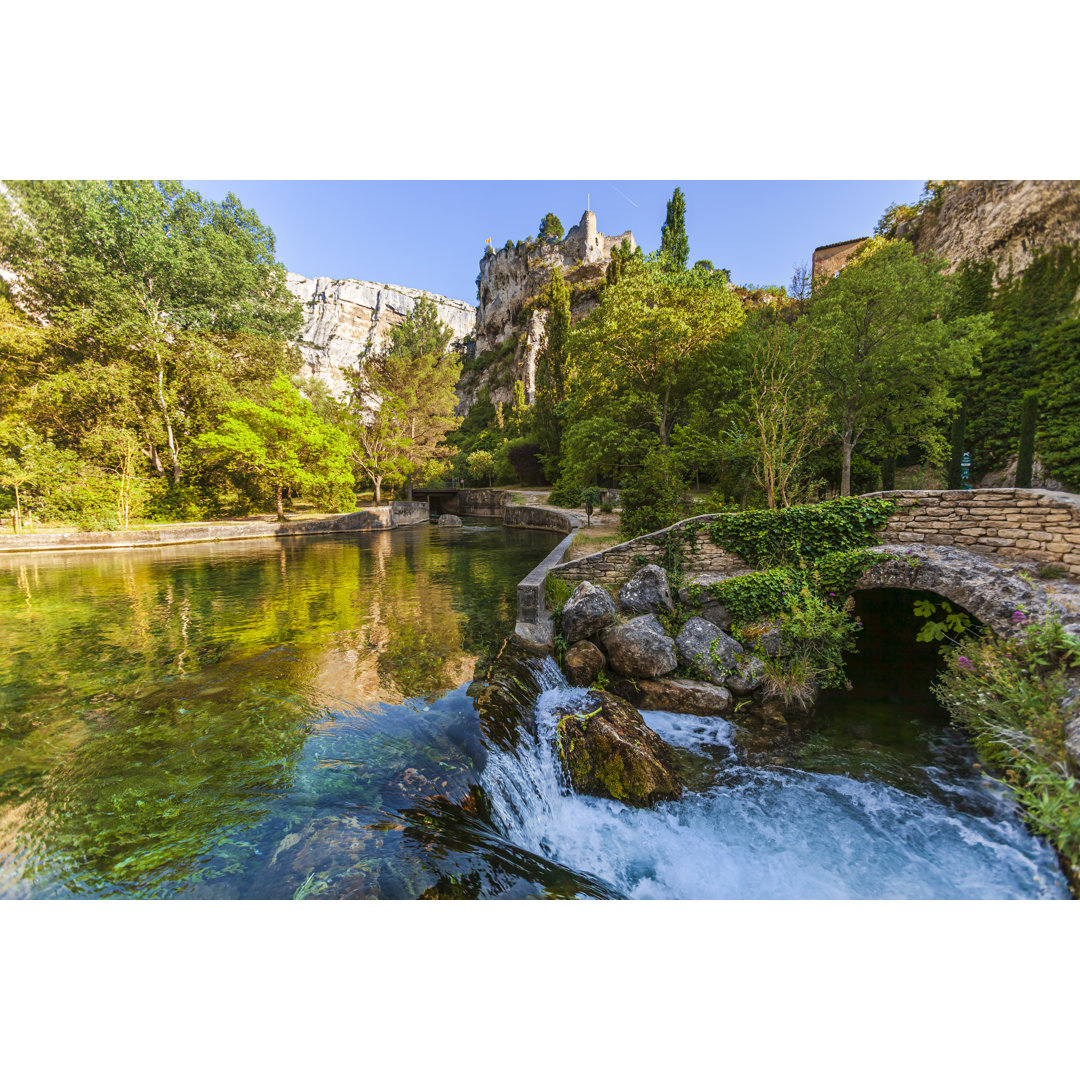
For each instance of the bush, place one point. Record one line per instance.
(522, 455)
(650, 499)
(1009, 695)
(566, 493)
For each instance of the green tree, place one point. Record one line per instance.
(481, 465)
(674, 245)
(282, 445)
(551, 374)
(416, 375)
(1025, 459)
(551, 230)
(787, 418)
(886, 353)
(152, 272)
(650, 349)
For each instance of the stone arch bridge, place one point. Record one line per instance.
(980, 549)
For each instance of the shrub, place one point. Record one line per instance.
(1009, 696)
(650, 498)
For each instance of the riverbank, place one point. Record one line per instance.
(371, 519)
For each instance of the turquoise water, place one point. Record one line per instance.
(297, 720)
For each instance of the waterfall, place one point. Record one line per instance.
(763, 832)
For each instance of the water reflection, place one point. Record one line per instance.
(240, 719)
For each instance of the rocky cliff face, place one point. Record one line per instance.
(343, 318)
(510, 279)
(1003, 220)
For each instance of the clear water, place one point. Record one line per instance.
(278, 720)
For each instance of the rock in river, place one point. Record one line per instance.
(684, 696)
(609, 751)
(706, 648)
(640, 648)
(582, 663)
(449, 521)
(647, 592)
(589, 609)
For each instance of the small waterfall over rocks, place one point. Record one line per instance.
(760, 833)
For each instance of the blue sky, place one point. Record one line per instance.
(429, 234)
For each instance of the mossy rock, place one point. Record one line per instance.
(608, 751)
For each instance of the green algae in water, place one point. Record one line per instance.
(168, 718)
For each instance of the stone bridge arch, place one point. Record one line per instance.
(983, 588)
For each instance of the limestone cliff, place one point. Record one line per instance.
(343, 318)
(1003, 220)
(510, 280)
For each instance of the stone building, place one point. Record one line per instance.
(830, 259)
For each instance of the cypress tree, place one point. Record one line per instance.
(674, 245)
(1025, 458)
(888, 473)
(956, 438)
(550, 374)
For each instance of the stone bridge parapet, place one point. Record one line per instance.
(1026, 524)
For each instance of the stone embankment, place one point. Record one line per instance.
(375, 519)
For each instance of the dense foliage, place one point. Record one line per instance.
(1035, 346)
(1010, 696)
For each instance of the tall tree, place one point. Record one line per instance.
(154, 273)
(283, 445)
(886, 353)
(416, 375)
(551, 373)
(551, 230)
(674, 245)
(786, 414)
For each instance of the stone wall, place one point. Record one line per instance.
(410, 513)
(482, 502)
(616, 565)
(832, 258)
(539, 517)
(1027, 524)
(374, 519)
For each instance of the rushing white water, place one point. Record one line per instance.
(766, 833)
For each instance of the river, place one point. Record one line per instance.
(291, 719)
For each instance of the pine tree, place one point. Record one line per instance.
(551, 230)
(674, 245)
(550, 373)
(1025, 460)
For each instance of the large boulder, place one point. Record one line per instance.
(449, 521)
(765, 637)
(747, 676)
(705, 648)
(640, 648)
(684, 696)
(609, 751)
(709, 607)
(589, 609)
(582, 663)
(647, 592)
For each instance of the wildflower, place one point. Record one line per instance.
(964, 663)
(1019, 617)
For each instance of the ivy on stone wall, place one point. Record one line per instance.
(767, 594)
(766, 538)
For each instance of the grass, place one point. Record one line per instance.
(588, 541)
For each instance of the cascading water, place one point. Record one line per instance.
(762, 833)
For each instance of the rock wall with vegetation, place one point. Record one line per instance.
(1005, 221)
(616, 565)
(343, 318)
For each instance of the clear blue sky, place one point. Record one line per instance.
(429, 234)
